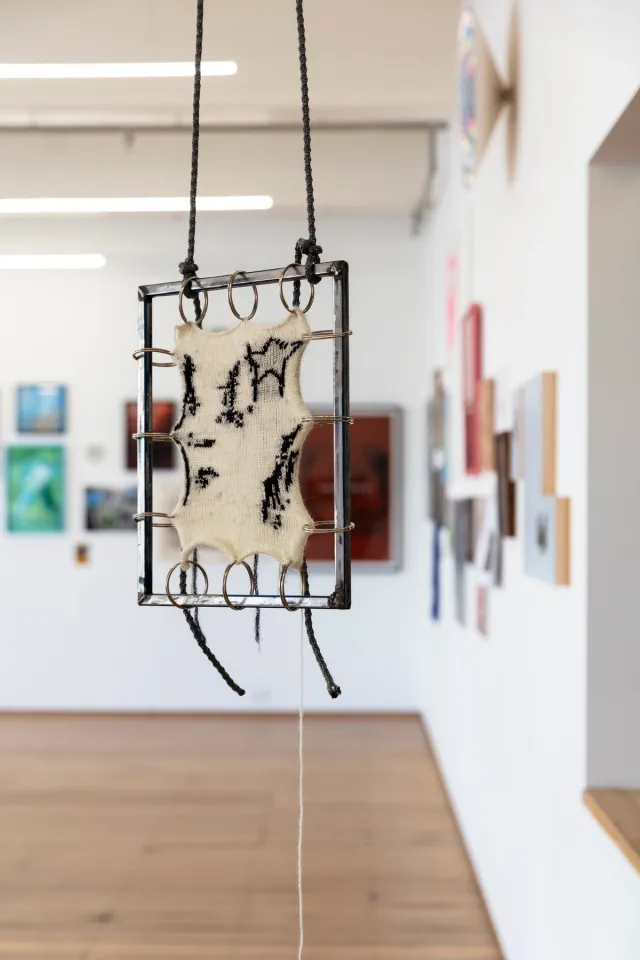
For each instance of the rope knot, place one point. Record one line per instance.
(188, 269)
(311, 250)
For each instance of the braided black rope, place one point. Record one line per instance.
(256, 623)
(199, 637)
(188, 267)
(306, 247)
(332, 686)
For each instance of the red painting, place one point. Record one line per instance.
(471, 376)
(374, 466)
(164, 417)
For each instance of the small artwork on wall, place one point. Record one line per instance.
(437, 452)
(482, 611)
(486, 459)
(164, 418)
(471, 374)
(506, 486)
(546, 516)
(375, 440)
(517, 442)
(35, 489)
(41, 408)
(108, 508)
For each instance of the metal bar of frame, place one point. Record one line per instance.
(340, 597)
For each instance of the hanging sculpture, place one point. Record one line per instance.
(243, 424)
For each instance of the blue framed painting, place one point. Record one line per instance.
(35, 489)
(42, 408)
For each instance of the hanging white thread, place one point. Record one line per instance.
(301, 820)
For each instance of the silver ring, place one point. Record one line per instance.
(325, 335)
(139, 354)
(285, 603)
(154, 436)
(191, 563)
(241, 273)
(327, 418)
(137, 517)
(183, 287)
(283, 299)
(326, 526)
(227, 600)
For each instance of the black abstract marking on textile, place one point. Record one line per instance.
(278, 483)
(204, 476)
(270, 361)
(187, 474)
(231, 414)
(190, 402)
(202, 443)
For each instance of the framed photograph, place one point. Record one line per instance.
(41, 408)
(546, 516)
(35, 489)
(108, 508)
(471, 375)
(376, 444)
(164, 419)
(437, 450)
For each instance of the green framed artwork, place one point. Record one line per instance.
(35, 489)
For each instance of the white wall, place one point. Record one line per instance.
(73, 637)
(507, 713)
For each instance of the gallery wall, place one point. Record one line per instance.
(507, 711)
(72, 636)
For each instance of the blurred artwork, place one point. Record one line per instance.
(482, 604)
(107, 508)
(506, 486)
(518, 440)
(42, 408)
(546, 516)
(486, 459)
(375, 486)
(82, 554)
(437, 453)
(471, 375)
(35, 489)
(164, 417)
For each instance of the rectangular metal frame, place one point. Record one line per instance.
(340, 598)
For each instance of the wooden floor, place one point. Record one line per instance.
(175, 839)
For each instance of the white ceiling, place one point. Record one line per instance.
(374, 62)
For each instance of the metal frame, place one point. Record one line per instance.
(340, 598)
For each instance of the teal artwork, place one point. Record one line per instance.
(42, 408)
(35, 489)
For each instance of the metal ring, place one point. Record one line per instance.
(237, 606)
(191, 563)
(241, 273)
(183, 287)
(156, 437)
(283, 299)
(327, 418)
(325, 335)
(285, 603)
(326, 526)
(139, 354)
(149, 513)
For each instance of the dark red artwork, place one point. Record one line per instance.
(373, 452)
(471, 376)
(164, 418)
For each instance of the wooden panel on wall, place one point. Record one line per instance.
(549, 381)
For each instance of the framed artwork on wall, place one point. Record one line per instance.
(437, 450)
(506, 486)
(164, 418)
(546, 516)
(376, 447)
(35, 489)
(108, 508)
(471, 375)
(41, 408)
(486, 457)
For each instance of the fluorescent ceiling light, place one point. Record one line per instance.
(45, 205)
(52, 261)
(110, 71)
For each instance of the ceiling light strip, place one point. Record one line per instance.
(70, 205)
